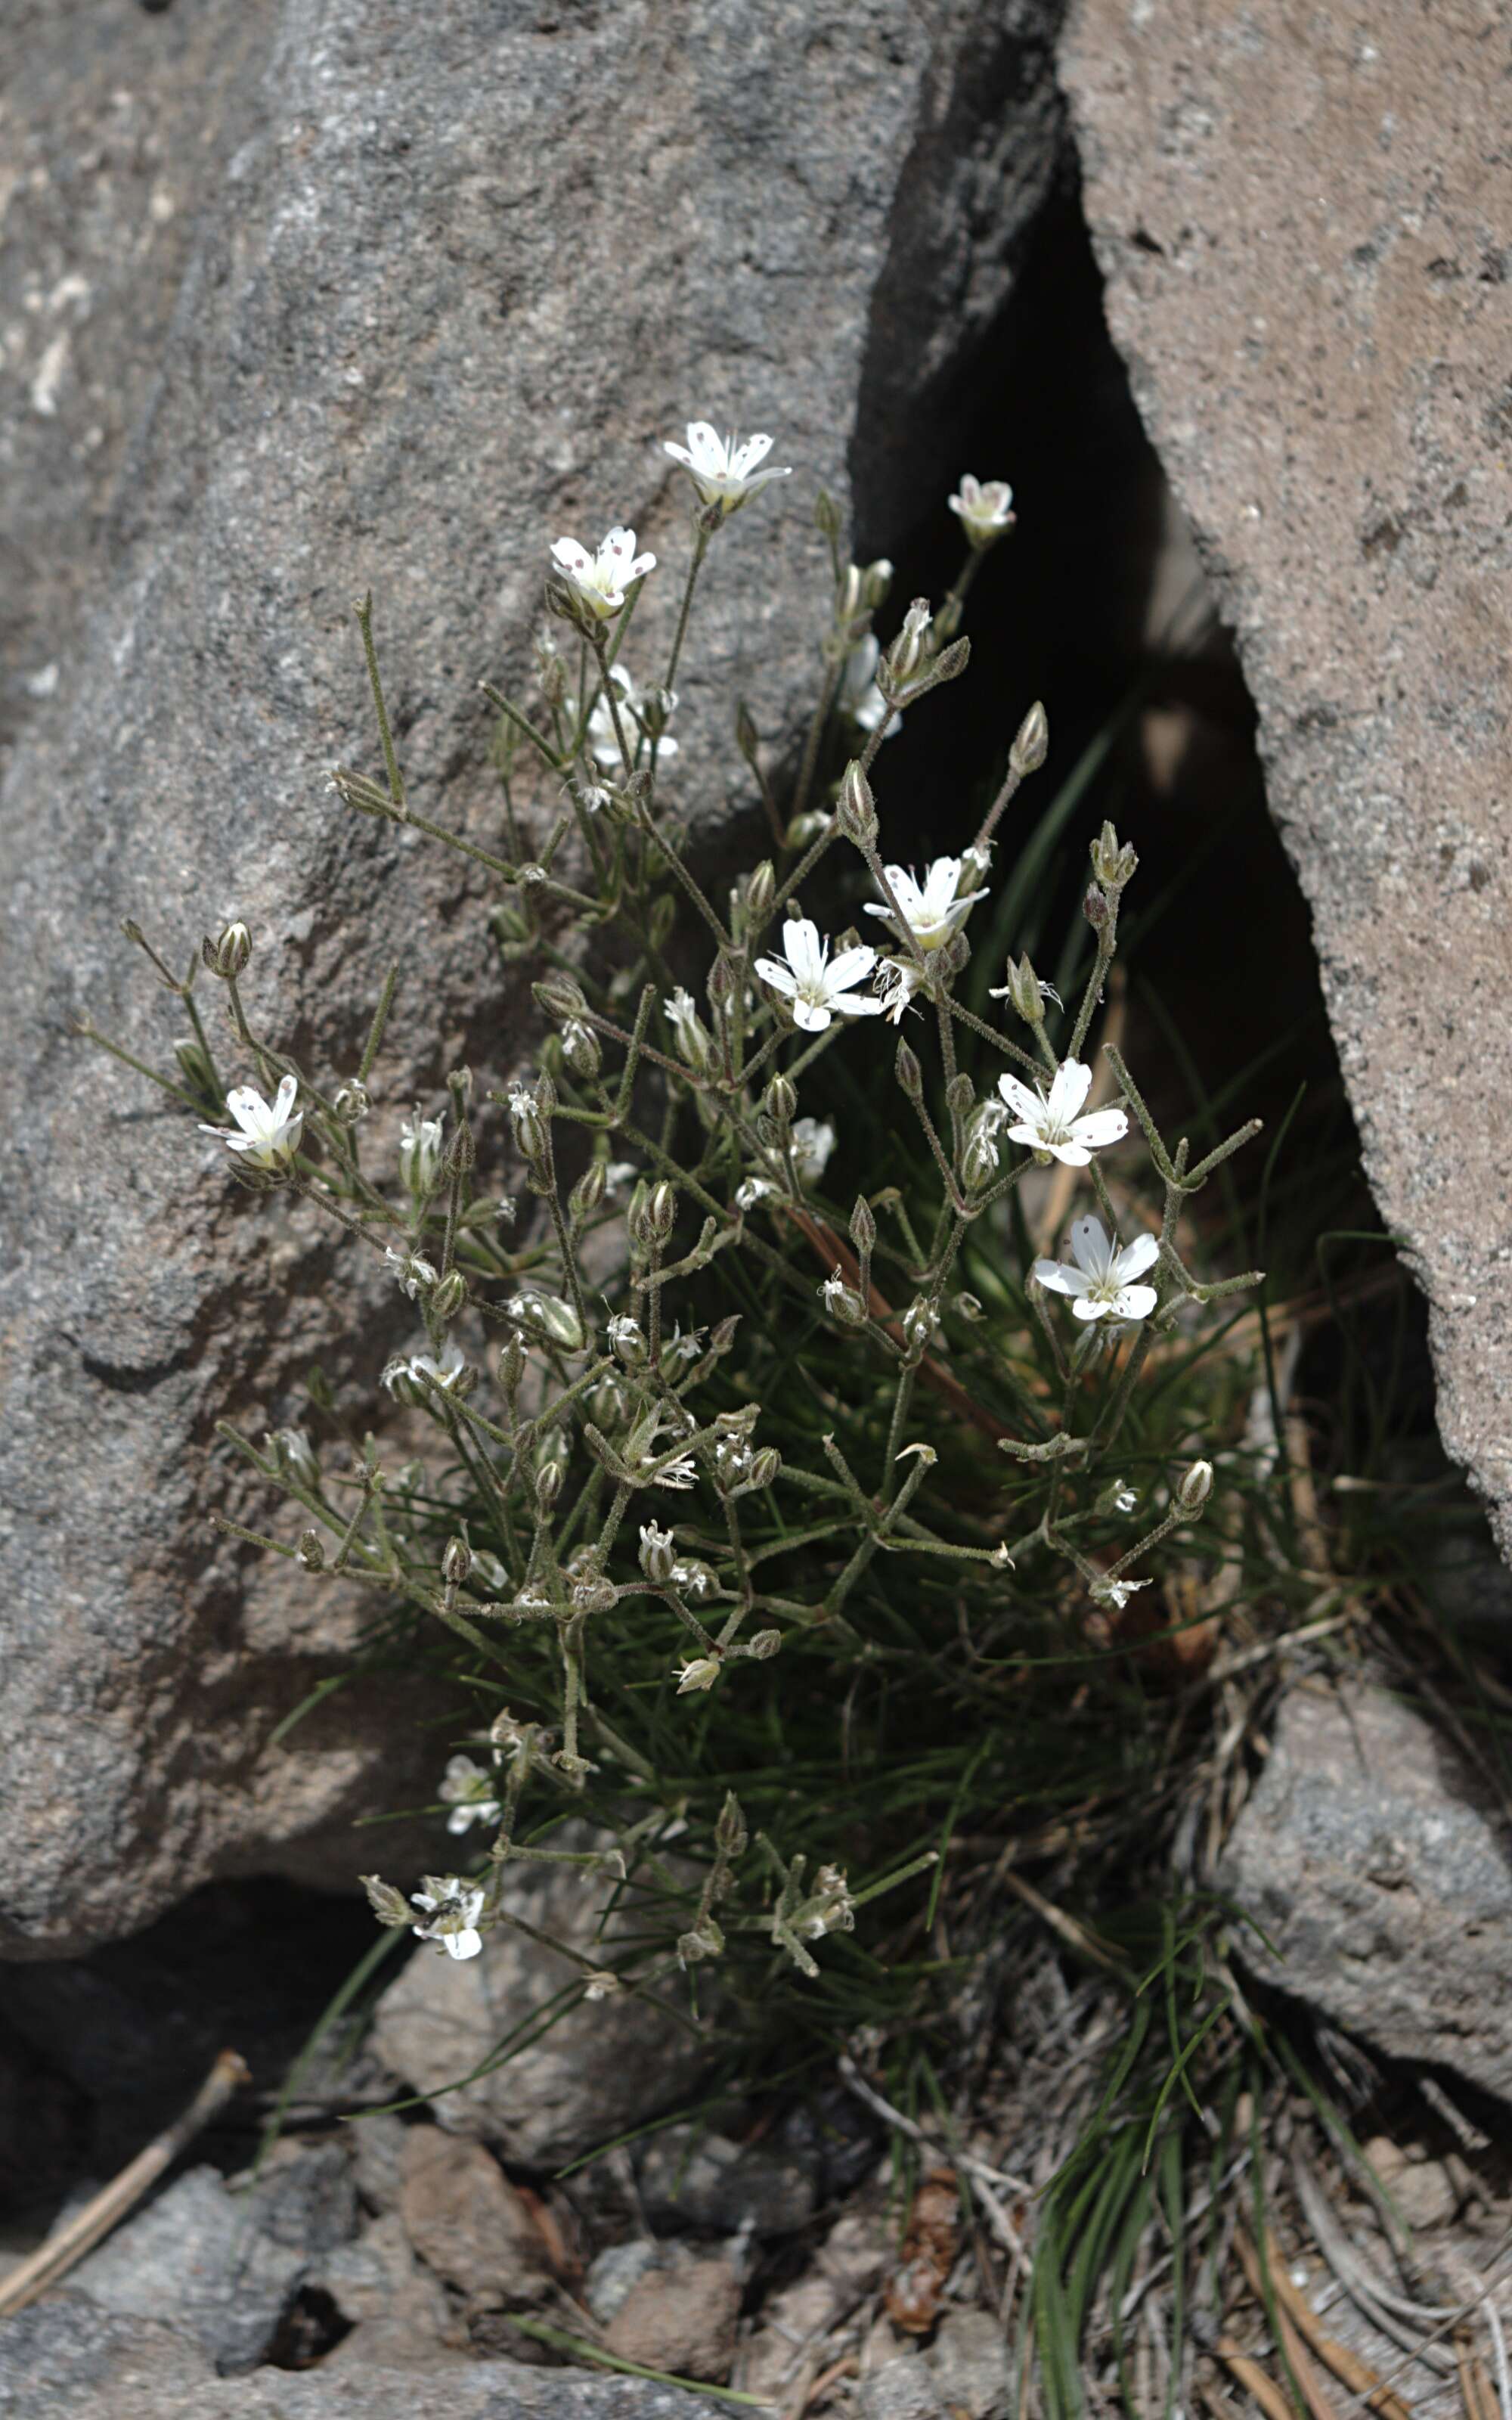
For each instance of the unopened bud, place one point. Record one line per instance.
(194, 1065)
(902, 659)
(722, 1338)
(660, 1212)
(512, 1366)
(748, 738)
(760, 892)
(550, 1315)
(456, 1562)
(764, 1467)
(389, 1905)
(919, 1323)
(449, 1296)
(627, 1341)
(226, 955)
(1032, 744)
(848, 595)
(876, 583)
(1195, 1487)
(580, 1049)
(855, 810)
(910, 1075)
(588, 1193)
(780, 1102)
(312, 1552)
(960, 1096)
(720, 985)
(549, 1480)
(1024, 991)
(978, 1161)
(863, 1225)
(950, 662)
(1114, 866)
(765, 1645)
(827, 515)
(460, 1156)
(1095, 908)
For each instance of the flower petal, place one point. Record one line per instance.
(1060, 1278)
(745, 457)
(851, 966)
(462, 1944)
(1136, 1257)
(707, 448)
(811, 1016)
(285, 1102)
(781, 978)
(802, 949)
(249, 1109)
(1098, 1127)
(1089, 1245)
(854, 1004)
(1073, 1083)
(1019, 1097)
(1071, 1154)
(1089, 1307)
(572, 557)
(1135, 1301)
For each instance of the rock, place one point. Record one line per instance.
(901, 2389)
(423, 323)
(467, 2221)
(64, 2357)
(197, 2260)
(1303, 227)
(305, 2198)
(1375, 1861)
(609, 2278)
(970, 2365)
(680, 2317)
(598, 2068)
(377, 2157)
(690, 2178)
(847, 2267)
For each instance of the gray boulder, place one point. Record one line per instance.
(64, 2355)
(443, 280)
(1307, 234)
(1375, 1860)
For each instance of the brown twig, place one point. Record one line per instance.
(53, 2260)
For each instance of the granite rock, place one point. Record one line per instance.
(1377, 1863)
(1305, 228)
(426, 315)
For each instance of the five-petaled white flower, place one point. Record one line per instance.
(469, 1790)
(983, 509)
(819, 986)
(267, 1135)
(1056, 1126)
(602, 580)
(931, 908)
(859, 695)
(451, 1908)
(724, 471)
(1102, 1284)
(603, 740)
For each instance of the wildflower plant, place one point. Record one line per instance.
(740, 1493)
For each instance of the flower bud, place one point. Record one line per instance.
(456, 1562)
(1032, 744)
(449, 1296)
(764, 1467)
(960, 1096)
(560, 996)
(588, 1193)
(312, 1552)
(1024, 991)
(855, 810)
(660, 1212)
(765, 1645)
(552, 1316)
(863, 1224)
(194, 1066)
(876, 583)
(722, 981)
(780, 1102)
(760, 892)
(1195, 1487)
(389, 1905)
(848, 595)
(748, 738)
(227, 955)
(910, 1075)
(594, 1593)
(919, 1323)
(978, 1161)
(461, 1154)
(658, 1553)
(549, 1480)
(580, 1049)
(827, 517)
(1095, 908)
(701, 1673)
(608, 1404)
(950, 662)
(525, 1123)
(843, 1301)
(695, 1046)
(512, 1365)
(902, 659)
(805, 829)
(730, 1835)
(954, 954)
(722, 1338)
(1114, 866)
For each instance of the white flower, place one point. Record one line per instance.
(983, 510)
(601, 580)
(897, 980)
(617, 1176)
(932, 909)
(1116, 1592)
(423, 1366)
(813, 1140)
(724, 472)
(859, 695)
(1055, 1126)
(420, 1152)
(1101, 1283)
(602, 741)
(411, 1271)
(451, 1908)
(265, 1135)
(701, 1673)
(469, 1790)
(819, 987)
(754, 1189)
(489, 1570)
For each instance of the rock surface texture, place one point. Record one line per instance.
(1377, 1863)
(1305, 227)
(391, 298)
